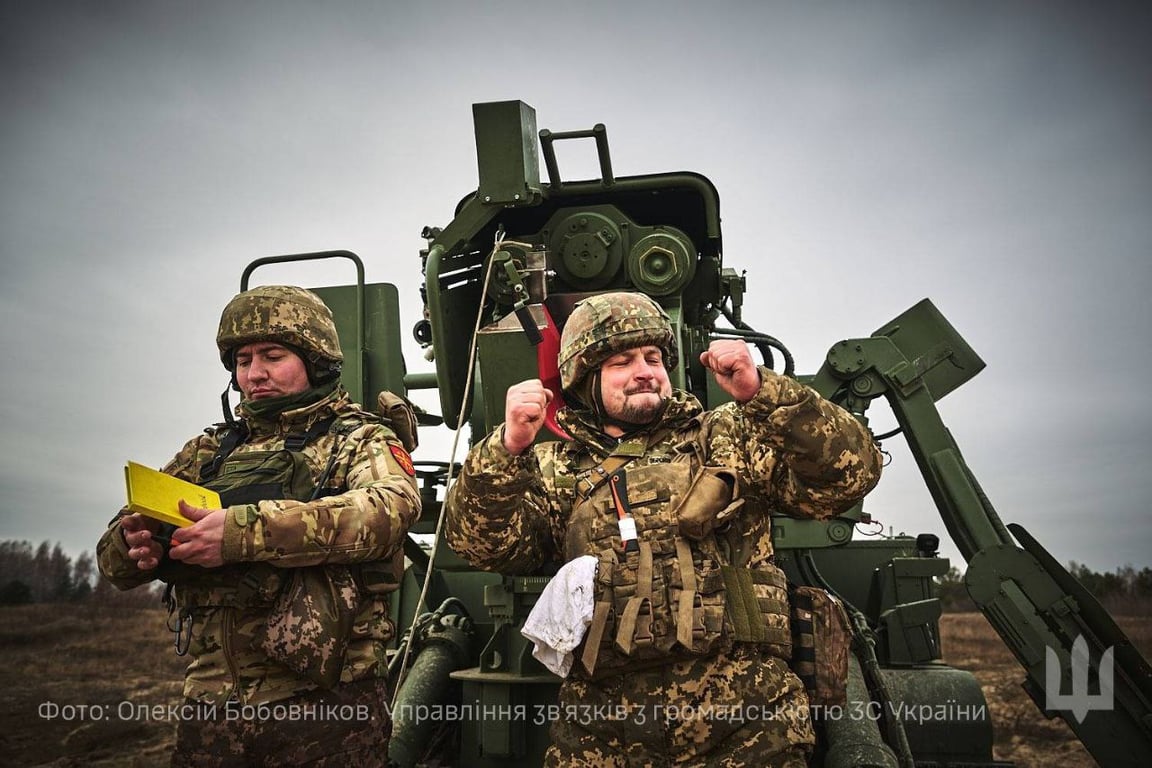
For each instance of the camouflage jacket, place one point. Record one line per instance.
(362, 528)
(794, 452)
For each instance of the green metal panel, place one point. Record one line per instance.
(797, 533)
(505, 357)
(506, 151)
(380, 365)
(852, 569)
(924, 335)
(508, 722)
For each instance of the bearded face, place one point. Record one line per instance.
(634, 385)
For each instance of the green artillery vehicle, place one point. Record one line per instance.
(499, 280)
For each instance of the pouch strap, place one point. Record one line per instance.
(621, 455)
(233, 437)
(595, 635)
(686, 628)
(598, 475)
(636, 621)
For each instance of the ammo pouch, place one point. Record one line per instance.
(400, 415)
(649, 610)
(672, 598)
(821, 642)
(710, 502)
(310, 623)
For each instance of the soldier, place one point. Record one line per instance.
(686, 656)
(280, 598)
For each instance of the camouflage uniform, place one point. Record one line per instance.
(348, 544)
(697, 693)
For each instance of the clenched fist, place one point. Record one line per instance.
(732, 365)
(524, 407)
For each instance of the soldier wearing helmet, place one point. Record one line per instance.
(291, 317)
(280, 597)
(660, 513)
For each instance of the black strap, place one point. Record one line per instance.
(234, 437)
(231, 440)
(619, 486)
(297, 442)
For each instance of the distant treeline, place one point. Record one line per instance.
(47, 575)
(1123, 590)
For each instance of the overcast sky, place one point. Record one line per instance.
(993, 156)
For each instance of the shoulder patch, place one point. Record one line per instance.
(403, 459)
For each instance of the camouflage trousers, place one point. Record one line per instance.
(743, 708)
(348, 725)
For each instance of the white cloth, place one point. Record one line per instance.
(561, 616)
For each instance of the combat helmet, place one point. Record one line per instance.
(287, 315)
(602, 325)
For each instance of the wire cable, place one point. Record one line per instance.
(411, 633)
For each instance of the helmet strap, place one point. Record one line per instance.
(225, 405)
(596, 397)
(322, 371)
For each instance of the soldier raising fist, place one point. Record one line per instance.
(732, 365)
(693, 490)
(524, 407)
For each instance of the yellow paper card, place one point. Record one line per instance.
(158, 495)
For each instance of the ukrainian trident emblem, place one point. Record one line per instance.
(1080, 701)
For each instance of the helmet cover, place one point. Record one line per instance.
(284, 314)
(603, 325)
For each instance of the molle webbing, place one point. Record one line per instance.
(803, 639)
(635, 629)
(599, 474)
(747, 609)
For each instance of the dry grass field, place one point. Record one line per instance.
(71, 673)
(97, 657)
(1023, 735)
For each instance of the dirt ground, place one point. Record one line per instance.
(74, 681)
(1022, 734)
(90, 686)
